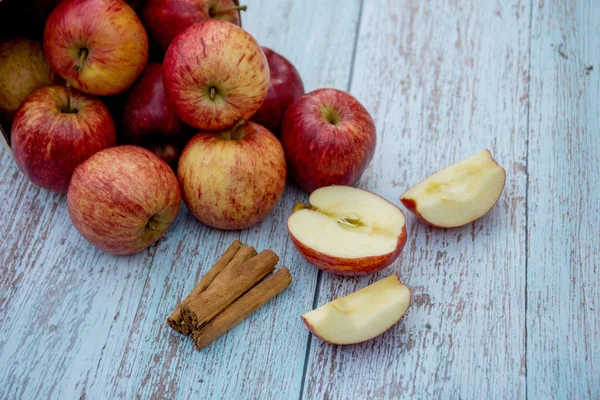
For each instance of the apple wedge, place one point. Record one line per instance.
(347, 231)
(458, 194)
(362, 315)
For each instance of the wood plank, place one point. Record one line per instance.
(262, 357)
(563, 300)
(443, 81)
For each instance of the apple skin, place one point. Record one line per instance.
(323, 153)
(165, 19)
(215, 56)
(48, 144)
(146, 115)
(232, 183)
(23, 69)
(349, 266)
(168, 152)
(285, 86)
(123, 199)
(100, 46)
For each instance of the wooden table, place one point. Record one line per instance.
(506, 307)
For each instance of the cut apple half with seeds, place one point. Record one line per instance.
(458, 194)
(347, 231)
(361, 315)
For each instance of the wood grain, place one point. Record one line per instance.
(443, 81)
(563, 277)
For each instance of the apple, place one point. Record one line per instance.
(123, 199)
(215, 74)
(285, 86)
(458, 194)
(232, 179)
(100, 46)
(362, 315)
(147, 117)
(168, 152)
(56, 129)
(329, 139)
(23, 69)
(347, 231)
(165, 19)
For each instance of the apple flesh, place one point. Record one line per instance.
(347, 231)
(329, 139)
(165, 19)
(362, 315)
(285, 86)
(458, 194)
(23, 69)
(54, 131)
(232, 179)
(215, 74)
(123, 199)
(100, 46)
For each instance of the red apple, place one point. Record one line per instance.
(215, 74)
(347, 231)
(285, 86)
(23, 69)
(123, 199)
(100, 46)
(53, 133)
(165, 19)
(147, 117)
(233, 179)
(329, 139)
(168, 152)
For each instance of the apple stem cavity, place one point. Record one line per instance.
(331, 115)
(83, 53)
(68, 109)
(226, 10)
(212, 93)
(302, 206)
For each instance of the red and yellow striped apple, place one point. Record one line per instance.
(55, 130)
(232, 179)
(215, 74)
(123, 199)
(100, 46)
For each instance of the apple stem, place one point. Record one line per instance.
(68, 89)
(83, 53)
(212, 92)
(224, 10)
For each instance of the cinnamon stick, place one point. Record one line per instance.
(229, 285)
(242, 308)
(237, 253)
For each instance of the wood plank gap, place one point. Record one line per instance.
(320, 273)
(527, 190)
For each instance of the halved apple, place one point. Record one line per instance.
(458, 194)
(347, 231)
(361, 315)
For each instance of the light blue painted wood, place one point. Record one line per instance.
(443, 81)
(563, 276)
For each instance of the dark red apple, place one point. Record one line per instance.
(123, 199)
(165, 19)
(51, 135)
(215, 74)
(169, 152)
(329, 138)
(147, 118)
(285, 86)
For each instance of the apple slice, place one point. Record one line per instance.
(361, 315)
(347, 231)
(458, 194)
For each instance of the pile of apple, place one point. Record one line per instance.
(91, 117)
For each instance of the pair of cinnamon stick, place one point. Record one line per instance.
(229, 293)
